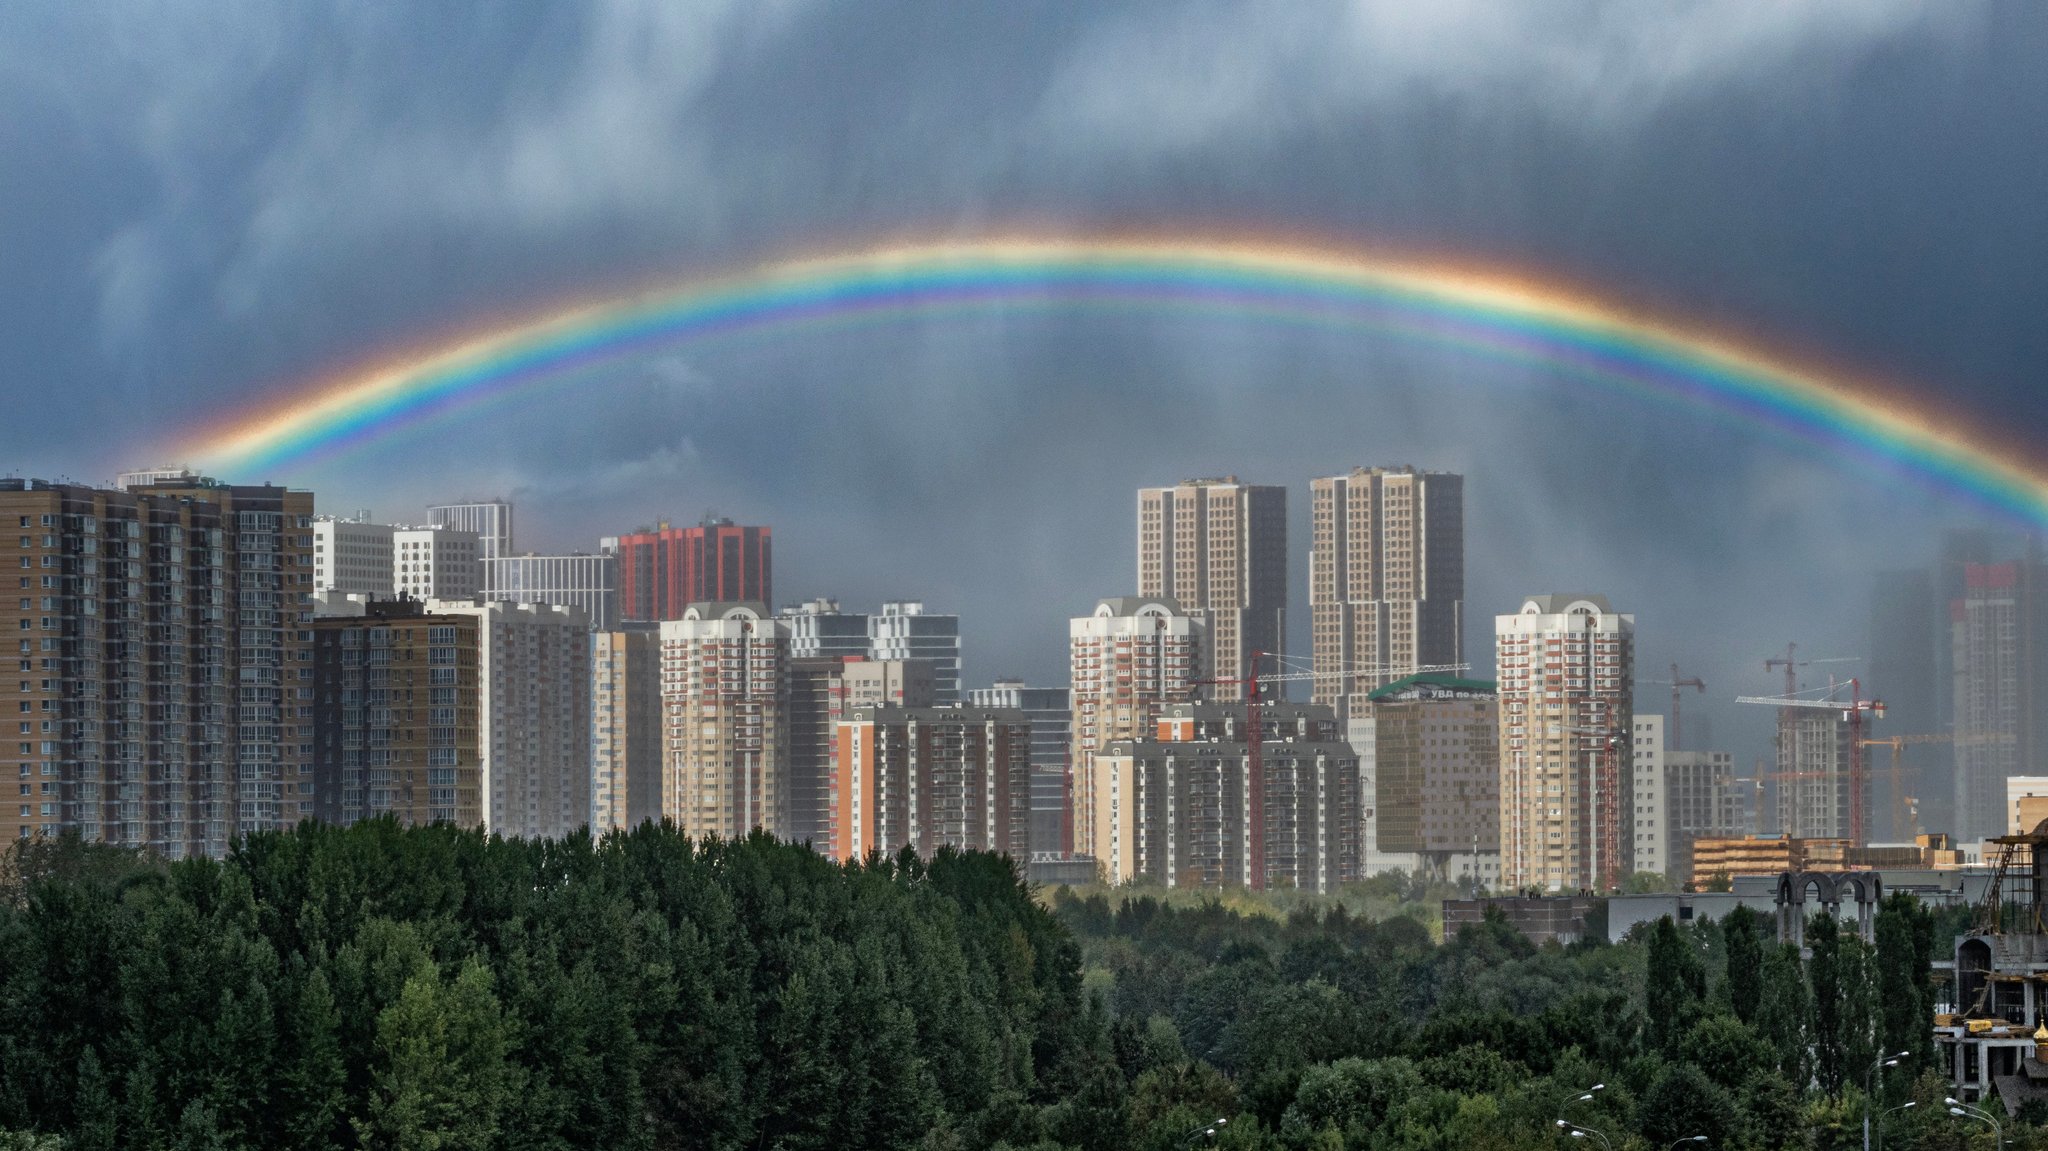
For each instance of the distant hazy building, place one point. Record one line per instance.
(932, 777)
(1566, 667)
(1429, 760)
(1051, 711)
(1906, 623)
(625, 726)
(1703, 799)
(164, 685)
(1132, 656)
(723, 685)
(818, 628)
(396, 716)
(1812, 776)
(663, 570)
(1998, 645)
(352, 557)
(581, 580)
(533, 688)
(436, 563)
(1386, 588)
(490, 520)
(1218, 548)
(1188, 810)
(905, 630)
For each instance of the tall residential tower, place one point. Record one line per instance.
(1219, 548)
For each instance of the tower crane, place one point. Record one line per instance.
(1897, 775)
(1675, 683)
(1852, 711)
(1255, 765)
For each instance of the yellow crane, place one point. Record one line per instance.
(1905, 808)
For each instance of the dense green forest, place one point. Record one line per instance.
(432, 988)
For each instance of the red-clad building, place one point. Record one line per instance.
(661, 572)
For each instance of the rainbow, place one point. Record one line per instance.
(1489, 313)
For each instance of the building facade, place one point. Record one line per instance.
(533, 692)
(1386, 590)
(1132, 656)
(1218, 548)
(818, 628)
(625, 726)
(821, 691)
(164, 687)
(724, 669)
(1812, 776)
(1051, 710)
(588, 582)
(490, 520)
(1703, 799)
(663, 570)
(905, 630)
(1191, 808)
(436, 563)
(1429, 762)
(932, 777)
(396, 717)
(1566, 667)
(352, 557)
(1650, 827)
(1997, 651)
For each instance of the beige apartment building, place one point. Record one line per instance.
(1130, 657)
(625, 726)
(821, 691)
(163, 683)
(724, 668)
(1386, 591)
(1219, 548)
(1566, 669)
(926, 778)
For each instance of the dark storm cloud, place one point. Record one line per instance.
(217, 200)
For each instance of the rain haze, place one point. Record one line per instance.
(206, 208)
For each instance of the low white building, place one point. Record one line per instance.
(436, 563)
(352, 557)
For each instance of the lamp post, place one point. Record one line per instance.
(1963, 1110)
(1578, 1132)
(1585, 1096)
(1869, 1081)
(1688, 1139)
(1907, 1106)
(1205, 1131)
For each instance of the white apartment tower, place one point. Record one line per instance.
(1386, 590)
(436, 563)
(1650, 824)
(1130, 657)
(352, 557)
(723, 672)
(533, 688)
(1219, 548)
(1566, 666)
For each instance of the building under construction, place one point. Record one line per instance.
(1988, 1037)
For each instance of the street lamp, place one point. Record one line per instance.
(1578, 1097)
(1578, 1132)
(1907, 1106)
(1688, 1139)
(1869, 1100)
(1205, 1131)
(1961, 1110)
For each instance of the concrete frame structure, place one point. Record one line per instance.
(1130, 657)
(1218, 548)
(1864, 890)
(1386, 586)
(1567, 669)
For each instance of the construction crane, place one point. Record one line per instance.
(1852, 710)
(1897, 774)
(1675, 683)
(1255, 764)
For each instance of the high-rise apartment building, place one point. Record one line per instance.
(932, 777)
(1429, 760)
(905, 630)
(1703, 799)
(436, 563)
(1906, 624)
(1650, 828)
(1219, 548)
(821, 691)
(1188, 808)
(533, 693)
(1999, 655)
(1051, 710)
(396, 716)
(1132, 656)
(352, 557)
(818, 628)
(490, 520)
(1812, 776)
(662, 571)
(1566, 667)
(625, 726)
(164, 689)
(723, 682)
(589, 582)
(1386, 591)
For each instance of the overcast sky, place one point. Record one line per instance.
(204, 205)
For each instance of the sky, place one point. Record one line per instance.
(205, 207)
